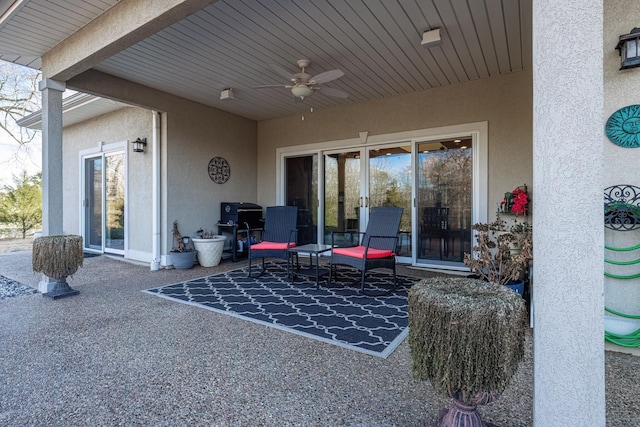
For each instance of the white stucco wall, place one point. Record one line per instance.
(621, 167)
(125, 124)
(196, 134)
(192, 134)
(504, 101)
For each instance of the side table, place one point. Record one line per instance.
(312, 270)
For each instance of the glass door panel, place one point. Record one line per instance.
(444, 200)
(114, 203)
(93, 203)
(301, 190)
(342, 196)
(390, 185)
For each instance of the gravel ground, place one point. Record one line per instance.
(113, 355)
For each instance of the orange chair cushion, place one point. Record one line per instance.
(358, 252)
(272, 246)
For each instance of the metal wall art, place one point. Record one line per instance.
(622, 207)
(623, 127)
(219, 170)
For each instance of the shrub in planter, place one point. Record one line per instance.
(467, 338)
(182, 256)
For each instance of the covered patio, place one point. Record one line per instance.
(527, 81)
(115, 355)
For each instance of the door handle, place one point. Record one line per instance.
(366, 202)
(360, 201)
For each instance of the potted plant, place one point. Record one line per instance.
(58, 257)
(500, 256)
(209, 247)
(466, 336)
(182, 256)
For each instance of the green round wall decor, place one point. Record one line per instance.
(623, 127)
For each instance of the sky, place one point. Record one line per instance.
(14, 158)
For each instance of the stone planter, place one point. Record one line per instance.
(467, 338)
(183, 260)
(209, 250)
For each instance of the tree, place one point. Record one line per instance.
(19, 97)
(21, 204)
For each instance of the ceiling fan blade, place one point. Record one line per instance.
(327, 76)
(268, 86)
(336, 93)
(284, 73)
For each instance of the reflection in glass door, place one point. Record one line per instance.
(342, 198)
(390, 185)
(93, 203)
(301, 190)
(104, 203)
(444, 200)
(114, 203)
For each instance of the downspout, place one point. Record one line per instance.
(155, 193)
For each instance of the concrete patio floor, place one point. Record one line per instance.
(113, 355)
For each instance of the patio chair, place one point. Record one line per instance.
(377, 247)
(276, 237)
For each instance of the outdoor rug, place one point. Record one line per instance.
(339, 315)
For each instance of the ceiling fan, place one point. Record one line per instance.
(303, 85)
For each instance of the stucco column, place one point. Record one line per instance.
(568, 303)
(51, 156)
(51, 164)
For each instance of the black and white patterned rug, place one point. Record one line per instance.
(339, 315)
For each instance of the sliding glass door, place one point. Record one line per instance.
(444, 200)
(343, 199)
(432, 180)
(104, 203)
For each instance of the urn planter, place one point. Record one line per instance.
(467, 338)
(209, 250)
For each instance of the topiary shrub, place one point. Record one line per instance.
(467, 338)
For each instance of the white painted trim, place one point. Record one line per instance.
(137, 255)
(155, 192)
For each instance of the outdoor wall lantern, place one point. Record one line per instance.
(139, 144)
(629, 47)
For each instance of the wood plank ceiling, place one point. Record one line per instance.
(234, 43)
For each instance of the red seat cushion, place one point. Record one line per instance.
(358, 252)
(272, 246)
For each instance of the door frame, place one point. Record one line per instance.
(478, 131)
(102, 150)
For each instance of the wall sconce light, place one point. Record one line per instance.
(629, 47)
(139, 144)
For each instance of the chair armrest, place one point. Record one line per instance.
(293, 237)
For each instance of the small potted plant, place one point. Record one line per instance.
(182, 256)
(209, 247)
(499, 256)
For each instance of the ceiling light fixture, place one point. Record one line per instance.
(431, 38)
(227, 94)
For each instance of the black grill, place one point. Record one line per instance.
(240, 213)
